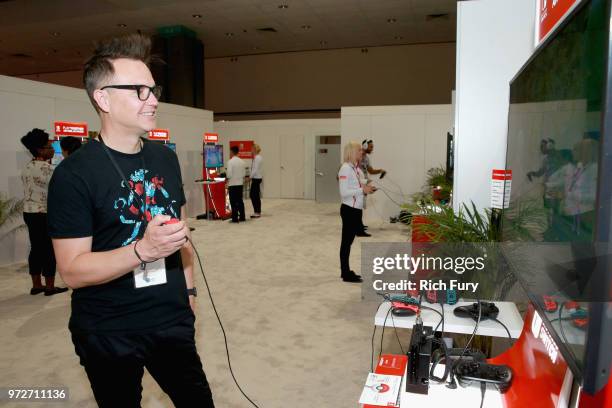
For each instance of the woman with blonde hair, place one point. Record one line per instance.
(353, 188)
(256, 180)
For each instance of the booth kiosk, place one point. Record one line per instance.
(213, 185)
(64, 129)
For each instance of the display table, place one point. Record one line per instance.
(508, 315)
(441, 396)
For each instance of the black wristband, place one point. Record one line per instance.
(143, 263)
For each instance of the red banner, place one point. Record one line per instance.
(245, 148)
(70, 129)
(211, 137)
(551, 12)
(159, 134)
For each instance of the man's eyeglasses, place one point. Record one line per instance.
(143, 91)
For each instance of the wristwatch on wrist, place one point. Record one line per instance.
(192, 292)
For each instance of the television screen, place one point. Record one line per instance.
(213, 156)
(554, 148)
(57, 153)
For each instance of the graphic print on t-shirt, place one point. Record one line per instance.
(132, 208)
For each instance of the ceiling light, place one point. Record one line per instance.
(398, 37)
(256, 48)
(391, 20)
(229, 34)
(196, 15)
(55, 33)
(121, 25)
(306, 27)
(283, 6)
(323, 43)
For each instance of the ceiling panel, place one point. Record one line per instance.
(28, 27)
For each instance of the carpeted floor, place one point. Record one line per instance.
(298, 335)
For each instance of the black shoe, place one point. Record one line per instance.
(255, 216)
(55, 291)
(36, 291)
(363, 234)
(351, 277)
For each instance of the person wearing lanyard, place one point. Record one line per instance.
(353, 188)
(114, 211)
(256, 179)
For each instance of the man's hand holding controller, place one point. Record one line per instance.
(163, 237)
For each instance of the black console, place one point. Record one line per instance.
(476, 373)
(419, 357)
(487, 311)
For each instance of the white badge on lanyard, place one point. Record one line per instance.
(153, 274)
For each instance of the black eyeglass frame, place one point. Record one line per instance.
(156, 90)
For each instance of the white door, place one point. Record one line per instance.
(291, 166)
(327, 164)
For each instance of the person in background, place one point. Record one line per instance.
(256, 179)
(35, 178)
(69, 145)
(367, 147)
(235, 175)
(353, 189)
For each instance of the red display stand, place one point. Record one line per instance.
(214, 196)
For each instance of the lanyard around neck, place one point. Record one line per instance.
(143, 203)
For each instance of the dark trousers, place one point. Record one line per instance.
(351, 225)
(255, 195)
(41, 259)
(115, 363)
(235, 196)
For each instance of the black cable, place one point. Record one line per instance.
(382, 336)
(483, 389)
(396, 335)
(504, 326)
(374, 334)
(229, 363)
(439, 314)
(473, 333)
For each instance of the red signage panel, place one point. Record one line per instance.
(551, 12)
(70, 129)
(245, 148)
(211, 137)
(159, 134)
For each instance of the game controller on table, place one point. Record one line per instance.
(469, 373)
(487, 310)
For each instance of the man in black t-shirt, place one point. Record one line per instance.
(115, 212)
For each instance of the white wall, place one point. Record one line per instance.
(27, 104)
(268, 134)
(494, 39)
(408, 140)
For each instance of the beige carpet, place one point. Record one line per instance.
(298, 335)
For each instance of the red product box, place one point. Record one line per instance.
(390, 364)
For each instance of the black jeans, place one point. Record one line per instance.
(115, 363)
(41, 259)
(351, 225)
(255, 195)
(235, 197)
